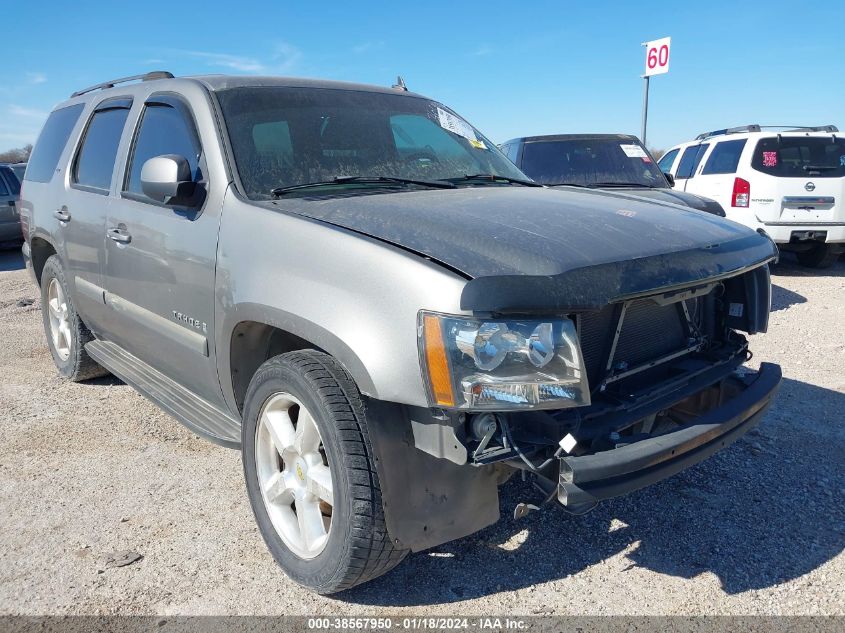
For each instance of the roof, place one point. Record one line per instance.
(573, 137)
(225, 82)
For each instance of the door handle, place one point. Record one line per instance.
(121, 236)
(62, 214)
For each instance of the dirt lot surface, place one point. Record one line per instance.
(89, 471)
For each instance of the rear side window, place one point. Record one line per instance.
(668, 159)
(512, 152)
(164, 130)
(51, 142)
(95, 160)
(800, 156)
(724, 158)
(690, 159)
(4, 190)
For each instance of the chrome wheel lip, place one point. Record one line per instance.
(57, 313)
(294, 476)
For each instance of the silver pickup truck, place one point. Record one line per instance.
(357, 289)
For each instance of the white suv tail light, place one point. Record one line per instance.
(741, 193)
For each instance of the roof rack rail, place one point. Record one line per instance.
(150, 76)
(729, 130)
(808, 128)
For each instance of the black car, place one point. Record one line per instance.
(617, 162)
(10, 221)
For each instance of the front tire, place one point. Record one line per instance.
(66, 333)
(310, 473)
(820, 256)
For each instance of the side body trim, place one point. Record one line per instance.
(92, 291)
(173, 331)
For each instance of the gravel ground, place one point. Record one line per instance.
(88, 471)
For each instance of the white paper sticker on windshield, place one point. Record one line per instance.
(456, 125)
(634, 151)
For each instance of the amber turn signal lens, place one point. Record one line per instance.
(437, 363)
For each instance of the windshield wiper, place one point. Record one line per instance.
(818, 167)
(493, 178)
(621, 184)
(364, 180)
(600, 185)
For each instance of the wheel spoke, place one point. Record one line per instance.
(318, 482)
(55, 311)
(278, 490)
(64, 330)
(311, 526)
(281, 430)
(307, 438)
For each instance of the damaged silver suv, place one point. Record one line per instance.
(355, 288)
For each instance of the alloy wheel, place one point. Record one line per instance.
(59, 321)
(294, 475)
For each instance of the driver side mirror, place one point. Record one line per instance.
(167, 179)
(669, 178)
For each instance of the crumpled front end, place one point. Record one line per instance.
(667, 389)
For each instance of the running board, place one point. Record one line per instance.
(200, 416)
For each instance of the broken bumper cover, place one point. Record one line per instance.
(586, 480)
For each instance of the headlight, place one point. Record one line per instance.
(492, 364)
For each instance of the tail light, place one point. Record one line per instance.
(23, 218)
(741, 193)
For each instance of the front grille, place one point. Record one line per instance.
(649, 332)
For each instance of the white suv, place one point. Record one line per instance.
(788, 183)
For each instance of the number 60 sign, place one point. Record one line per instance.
(657, 56)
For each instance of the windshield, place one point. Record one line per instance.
(591, 162)
(800, 156)
(283, 137)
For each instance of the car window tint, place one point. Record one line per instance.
(512, 152)
(800, 156)
(12, 181)
(724, 158)
(4, 190)
(590, 161)
(421, 139)
(690, 159)
(665, 163)
(51, 142)
(164, 130)
(95, 161)
(273, 143)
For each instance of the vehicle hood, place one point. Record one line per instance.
(517, 233)
(665, 194)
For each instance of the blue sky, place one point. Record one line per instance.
(510, 68)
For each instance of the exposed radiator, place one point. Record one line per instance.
(649, 331)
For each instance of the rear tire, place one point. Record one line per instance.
(66, 333)
(297, 391)
(820, 256)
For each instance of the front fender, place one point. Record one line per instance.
(353, 296)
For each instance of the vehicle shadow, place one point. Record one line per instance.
(11, 259)
(788, 266)
(782, 298)
(743, 515)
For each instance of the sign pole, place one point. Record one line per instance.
(645, 110)
(656, 63)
